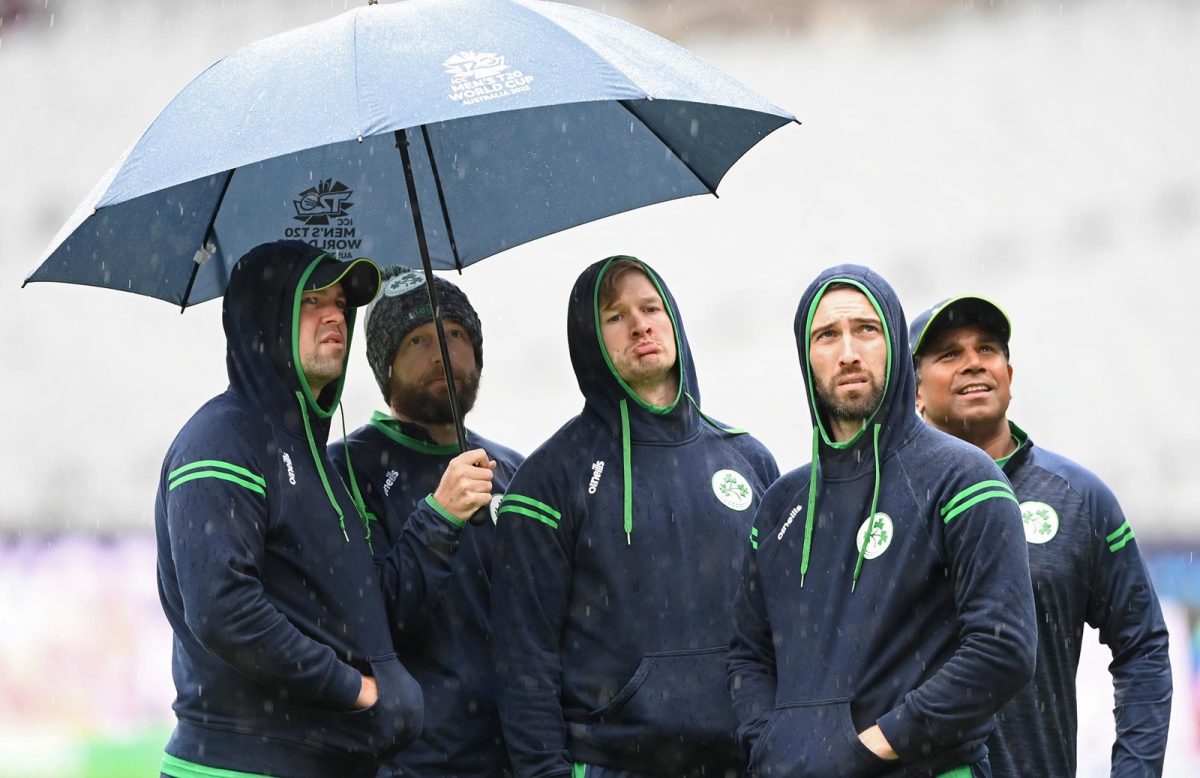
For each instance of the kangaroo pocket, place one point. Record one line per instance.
(814, 739)
(393, 721)
(674, 711)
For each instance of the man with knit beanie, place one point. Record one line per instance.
(406, 458)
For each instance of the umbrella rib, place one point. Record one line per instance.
(204, 240)
(712, 190)
(437, 182)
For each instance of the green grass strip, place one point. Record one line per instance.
(219, 465)
(217, 474)
(970, 490)
(971, 503)
(531, 514)
(541, 506)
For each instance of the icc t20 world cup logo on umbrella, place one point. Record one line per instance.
(327, 200)
(477, 76)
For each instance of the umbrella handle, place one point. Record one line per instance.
(430, 288)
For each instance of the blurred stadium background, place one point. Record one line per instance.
(1042, 153)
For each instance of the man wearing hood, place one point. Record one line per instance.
(884, 614)
(618, 546)
(282, 658)
(1083, 557)
(410, 456)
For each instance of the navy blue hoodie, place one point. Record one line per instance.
(617, 552)
(926, 629)
(448, 651)
(264, 570)
(1086, 567)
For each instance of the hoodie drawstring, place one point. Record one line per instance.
(812, 506)
(312, 445)
(627, 469)
(870, 525)
(355, 494)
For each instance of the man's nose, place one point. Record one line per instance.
(849, 353)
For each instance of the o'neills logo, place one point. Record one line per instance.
(389, 481)
(597, 471)
(287, 461)
(788, 523)
(478, 76)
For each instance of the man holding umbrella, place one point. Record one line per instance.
(407, 458)
(282, 660)
(617, 552)
(1083, 557)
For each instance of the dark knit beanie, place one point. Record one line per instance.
(402, 306)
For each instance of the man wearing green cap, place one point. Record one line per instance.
(1083, 558)
(282, 658)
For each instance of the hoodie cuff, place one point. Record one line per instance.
(445, 514)
(904, 732)
(344, 685)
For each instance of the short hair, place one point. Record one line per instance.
(617, 268)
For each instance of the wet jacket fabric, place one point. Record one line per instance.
(448, 649)
(926, 629)
(264, 571)
(618, 546)
(1086, 568)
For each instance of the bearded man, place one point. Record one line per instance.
(407, 458)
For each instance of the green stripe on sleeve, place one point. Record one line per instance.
(1118, 539)
(549, 522)
(970, 490)
(194, 475)
(510, 497)
(441, 511)
(971, 503)
(181, 768)
(216, 464)
(754, 538)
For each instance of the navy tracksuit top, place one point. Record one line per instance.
(1086, 568)
(618, 546)
(448, 647)
(264, 571)
(889, 586)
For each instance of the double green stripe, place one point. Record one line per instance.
(1118, 539)
(754, 538)
(973, 495)
(215, 468)
(530, 507)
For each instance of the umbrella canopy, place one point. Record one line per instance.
(520, 118)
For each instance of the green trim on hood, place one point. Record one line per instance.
(388, 425)
(659, 409)
(340, 381)
(812, 394)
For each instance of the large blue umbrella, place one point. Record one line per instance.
(445, 129)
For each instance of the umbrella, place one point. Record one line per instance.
(448, 129)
